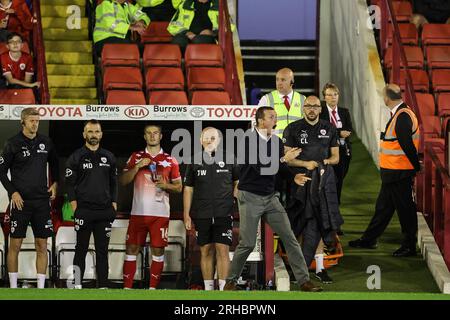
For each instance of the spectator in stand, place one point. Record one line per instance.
(430, 11)
(15, 16)
(196, 21)
(114, 21)
(159, 10)
(17, 66)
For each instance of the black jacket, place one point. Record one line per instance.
(27, 160)
(213, 183)
(346, 121)
(91, 178)
(317, 199)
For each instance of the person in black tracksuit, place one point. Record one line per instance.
(26, 156)
(91, 178)
(208, 199)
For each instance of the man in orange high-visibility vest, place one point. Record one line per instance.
(399, 163)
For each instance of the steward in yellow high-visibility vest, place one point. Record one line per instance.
(159, 10)
(286, 102)
(113, 20)
(196, 21)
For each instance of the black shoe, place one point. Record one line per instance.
(405, 252)
(308, 286)
(323, 277)
(360, 243)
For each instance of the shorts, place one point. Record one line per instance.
(139, 226)
(38, 213)
(214, 230)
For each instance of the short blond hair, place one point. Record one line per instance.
(330, 85)
(31, 111)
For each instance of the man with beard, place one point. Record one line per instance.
(155, 174)
(91, 179)
(318, 141)
(26, 155)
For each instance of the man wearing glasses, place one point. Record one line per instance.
(313, 210)
(17, 66)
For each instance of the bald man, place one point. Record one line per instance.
(286, 102)
(310, 220)
(399, 162)
(208, 198)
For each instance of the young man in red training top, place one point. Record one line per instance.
(17, 66)
(155, 173)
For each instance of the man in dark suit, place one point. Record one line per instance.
(399, 163)
(340, 118)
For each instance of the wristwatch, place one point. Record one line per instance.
(282, 160)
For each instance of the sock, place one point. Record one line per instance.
(155, 270)
(222, 284)
(41, 281)
(13, 279)
(129, 269)
(319, 262)
(209, 285)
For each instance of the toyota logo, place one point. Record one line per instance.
(197, 112)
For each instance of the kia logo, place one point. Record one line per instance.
(136, 112)
(197, 112)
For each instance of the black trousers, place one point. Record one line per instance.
(181, 40)
(341, 169)
(161, 12)
(397, 196)
(99, 223)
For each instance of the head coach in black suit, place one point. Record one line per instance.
(340, 118)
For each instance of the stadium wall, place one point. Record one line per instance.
(349, 58)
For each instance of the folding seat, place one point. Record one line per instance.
(162, 55)
(402, 10)
(17, 96)
(431, 126)
(2, 254)
(65, 241)
(168, 98)
(120, 54)
(27, 257)
(161, 78)
(419, 78)
(210, 98)
(206, 79)
(438, 56)
(129, 78)
(408, 34)
(414, 57)
(156, 32)
(125, 97)
(174, 252)
(4, 48)
(443, 104)
(203, 55)
(440, 80)
(426, 104)
(435, 33)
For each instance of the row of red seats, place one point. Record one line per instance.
(121, 70)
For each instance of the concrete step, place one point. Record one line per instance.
(68, 81)
(58, 11)
(65, 34)
(73, 93)
(68, 58)
(73, 101)
(68, 46)
(54, 22)
(70, 69)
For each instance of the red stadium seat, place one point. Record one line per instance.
(120, 54)
(126, 97)
(440, 80)
(444, 104)
(168, 98)
(206, 79)
(162, 55)
(431, 126)
(161, 78)
(203, 55)
(4, 48)
(128, 78)
(17, 96)
(419, 79)
(402, 10)
(426, 104)
(414, 57)
(210, 98)
(408, 34)
(435, 33)
(156, 32)
(438, 56)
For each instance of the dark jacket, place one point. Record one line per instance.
(317, 199)
(346, 121)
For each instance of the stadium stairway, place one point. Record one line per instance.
(262, 59)
(68, 52)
